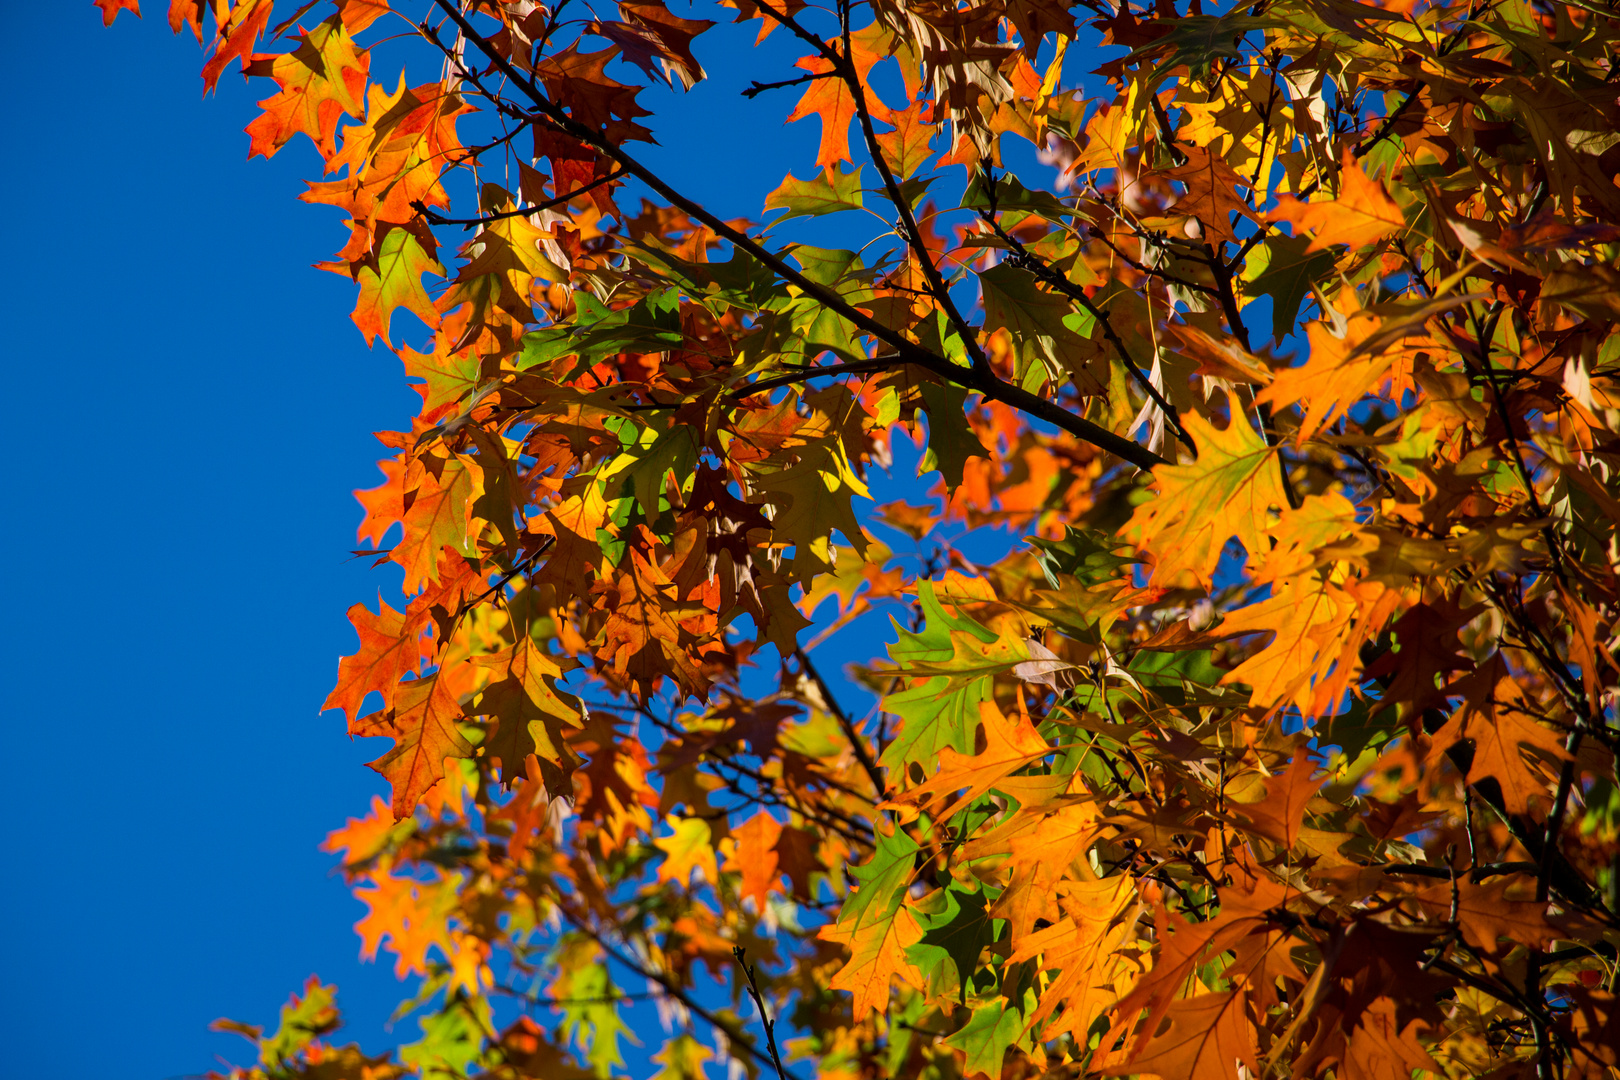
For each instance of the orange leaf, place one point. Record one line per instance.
(361, 838)
(1228, 492)
(1495, 718)
(1084, 949)
(111, 8)
(238, 32)
(359, 14)
(1206, 1037)
(877, 954)
(1009, 746)
(321, 81)
(1280, 814)
(1211, 194)
(422, 723)
(532, 717)
(828, 97)
(1486, 914)
(437, 504)
(756, 857)
(1363, 212)
(388, 652)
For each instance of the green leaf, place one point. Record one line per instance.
(951, 440)
(452, 1038)
(545, 345)
(1356, 731)
(990, 1032)
(590, 1010)
(742, 281)
(302, 1020)
(832, 191)
(645, 468)
(884, 879)
(683, 1058)
(1282, 269)
(1085, 554)
(1199, 42)
(953, 939)
(825, 266)
(1037, 319)
(1012, 195)
(653, 324)
(943, 711)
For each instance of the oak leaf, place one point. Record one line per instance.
(422, 722)
(389, 650)
(394, 281)
(1204, 1038)
(875, 926)
(756, 859)
(1009, 745)
(1362, 214)
(110, 9)
(531, 715)
(690, 847)
(1229, 492)
(321, 81)
(829, 96)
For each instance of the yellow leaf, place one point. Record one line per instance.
(691, 847)
(877, 953)
(1230, 491)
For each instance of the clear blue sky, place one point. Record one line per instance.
(190, 408)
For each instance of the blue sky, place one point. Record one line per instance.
(191, 408)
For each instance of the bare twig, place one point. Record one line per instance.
(756, 88)
(759, 1003)
(734, 1034)
(523, 211)
(862, 754)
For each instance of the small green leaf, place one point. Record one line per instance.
(953, 939)
(951, 440)
(832, 191)
(994, 1028)
(1282, 269)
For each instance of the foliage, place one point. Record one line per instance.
(1285, 741)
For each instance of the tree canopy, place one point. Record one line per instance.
(1277, 738)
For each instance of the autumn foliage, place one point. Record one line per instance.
(1277, 740)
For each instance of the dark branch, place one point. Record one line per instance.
(862, 754)
(523, 211)
(756, 88)
(759, 1003)
(982, 382)
(1055, 280)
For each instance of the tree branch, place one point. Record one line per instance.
(759, 1003)
(523, 211)
(734, 1034)
(983, 382)
(862, 754)
(1055, 280)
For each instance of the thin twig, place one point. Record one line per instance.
(734, 1034)
(756, 88)
(862, 754)
(759, 1003)
(877, 363)
(523, 211)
